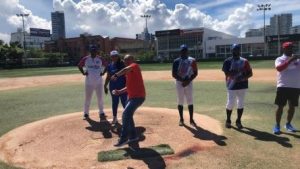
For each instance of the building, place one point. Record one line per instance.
(58, 25)
(221, 48)
(275, 43)
(35, 39)
(78, 47)
(168, 41)
(127, 45)
(254, 32)
(295, 30)
(281, 24)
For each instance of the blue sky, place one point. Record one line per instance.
(230, 16)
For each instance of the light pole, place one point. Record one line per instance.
(146, 33)
(23, 15)
(264, 8)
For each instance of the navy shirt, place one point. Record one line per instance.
(121, 81)
(236, 70)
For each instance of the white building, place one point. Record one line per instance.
(281, 24)
(169, 41)
(36, 39)
(221, 48)
(295, 30)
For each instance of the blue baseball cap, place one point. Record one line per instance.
(236, 46)
(93, 48)
(183, 47)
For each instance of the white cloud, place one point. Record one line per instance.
(115, 19)
(10, 22)
(5, 37)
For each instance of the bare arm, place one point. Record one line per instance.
(121, 72)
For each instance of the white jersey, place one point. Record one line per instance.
(93, 66)
(289, 77)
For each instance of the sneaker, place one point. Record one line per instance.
(181, 123)
(114, 121)
(276, 129)
(121, 142)
(228, 124)
(86, 116)
(133, 139)
(239, 124)
(102, 115)
(192, 122)
(289, 127)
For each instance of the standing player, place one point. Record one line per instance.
(288, 86)
(185, 71)
(136, 96)
(237, 72)
(93, 81)
(115, 66)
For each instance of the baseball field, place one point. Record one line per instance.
(42, 126)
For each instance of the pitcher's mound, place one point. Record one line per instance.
(68, 141)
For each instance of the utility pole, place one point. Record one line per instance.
(264, 8)
(146, 40)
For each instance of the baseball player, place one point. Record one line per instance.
(93, 65)
(288, 86)
(237, 72)
(115, 66)
(185, 70)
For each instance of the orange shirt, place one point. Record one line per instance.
(134, 82)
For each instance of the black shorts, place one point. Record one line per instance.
(285, 94)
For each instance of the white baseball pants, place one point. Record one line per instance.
(184, 92)
(90, 86)
(237, 96)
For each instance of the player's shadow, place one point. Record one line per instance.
(203, 134)
(292, 134)
(149, 156)
(103, 126)
(265, 136)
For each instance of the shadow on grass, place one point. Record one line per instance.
(154, 160)
(265, 136)
(203, 134)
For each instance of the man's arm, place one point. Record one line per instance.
(174, 72)
(107, 79)
(81, 65)
(121, 72)
(118, 92)
(282, 66)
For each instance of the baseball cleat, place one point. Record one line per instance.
(289, 127)
(192, 122)
(86, 116)
(239, 124)
(114, 121)
(228, 124)
(181, 123)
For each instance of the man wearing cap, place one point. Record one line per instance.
(93, 65)
(288, 86)
(115, 66)
(237, 72)
(184, 71)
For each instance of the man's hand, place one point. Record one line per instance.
(116, 92)
(185, 83)
(85, 73)
(105, 89)
(294, 57)
(114, 77)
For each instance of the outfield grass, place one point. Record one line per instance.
(255, 147)
(145, 67)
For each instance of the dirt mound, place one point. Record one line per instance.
(68, 141)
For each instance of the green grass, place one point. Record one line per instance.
(127, 153)
(255, 147)
(145, 67)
